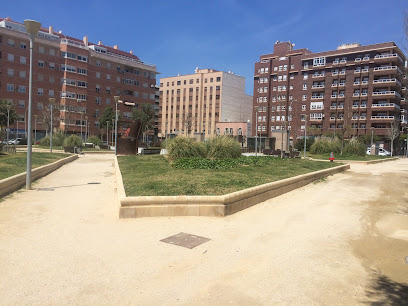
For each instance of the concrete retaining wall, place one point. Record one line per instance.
(367, 162)
(13, 183)
(214, 206)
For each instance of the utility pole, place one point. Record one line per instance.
(304, 143)
(256, 130)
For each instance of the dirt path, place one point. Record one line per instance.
(339, 241)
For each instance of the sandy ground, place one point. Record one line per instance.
(342, 240)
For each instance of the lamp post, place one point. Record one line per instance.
(372, 140)
(107, 132)
(165, 132)
(116, 124)
(256, 130)
(32, 28)
(81, 127)
(25, 122)
(304, 143)
(112, 132)
(52, 101)
(86, 128)
(35, 129)
(8, 122)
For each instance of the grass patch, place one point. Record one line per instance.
(154, 176)
(346, 157)
(12, 164)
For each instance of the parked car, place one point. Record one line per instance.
(14, 141)
(381, 152)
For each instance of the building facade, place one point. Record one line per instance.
(193, 104)
(82, 77)
(354, 90)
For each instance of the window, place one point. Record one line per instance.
(39, 105)
(41, 64)
(51, 79)
(81, 84)
(40, 77)
(10, 72)
(68, 55)
(98, 100)
(82, 58)
(81, 97)
(23, 74)
(108, 100)
(82, 71)
(145, 84)
(68, 68)
(305, 65)
(292, 66)
(10, 42)
(23, 60)
(52, 52)
(10, 57)
(280, 68)
(98, 75)
(22, 89)
(145, 95)
(10, 87)
(304, 86)
(21, 103)
(41, 49)
(118, 79)
(51, 93)
(292, 76)
(98, 63)
(305, 76)
(275, 68)
(279, 78)
(316, 105)
(219, 78)
(108, 65)
(319, 61)
(108, 76)
(303, 106)
(98, 88)
(304, 97)
(51, 66)
(40, 91)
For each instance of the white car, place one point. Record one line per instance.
(15, 141)
(381, 152)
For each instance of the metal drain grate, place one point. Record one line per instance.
(185, 240)
(45, 189)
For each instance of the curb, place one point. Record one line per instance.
(15, 182)
(368, 162)
(210, 206)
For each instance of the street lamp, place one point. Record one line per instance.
(304, 143)
(52, 101)
(8, 121)
(86, 128)
(116, 124)
(32, 28)
(81, 127)
(256, 130)
(35, 129)
(107, 133)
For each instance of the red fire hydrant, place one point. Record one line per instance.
(331, 158)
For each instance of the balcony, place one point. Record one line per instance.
(363, 106)
(341, 95)
(387, 70)
(335, 73)
(332, 118)
(392, 81)
(387, 57)
(342, 72)
(340, 118)
(354, 118)
(386, 94)
(318, 75)
(356, 83)
(333, 107)
(356, 94)
(317, 86)
(343, 61)
(340, 106)
(363, 117)
(364, 83)
(333, 85)
(382, 118)
(366, 58)
(357, 71)
(335, 62)
(342, 84)
(358, 59)
(364, 70)
(333, 96)
(355, 106)
(317, 97)
(363, 94)
(385, 105)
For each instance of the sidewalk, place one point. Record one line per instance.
(63, 243)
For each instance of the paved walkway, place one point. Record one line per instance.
(64, 244)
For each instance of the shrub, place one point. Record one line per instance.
(181, 146)
(300, 144)
(354, 147)
(58, 138)
(223, 163)
(323, 145)
(73, 141)
(45, 141)
(95, 140)
(223, 147)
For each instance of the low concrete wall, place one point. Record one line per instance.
(15, 182)
(367, 162)
(214, 206)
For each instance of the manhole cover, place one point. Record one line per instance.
(45, 189)
(185, 240)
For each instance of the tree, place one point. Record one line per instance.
(46, 116)
(393, 132)
(188, 123)
(107, 116)
(144, 115)
(6, 107)
(366, 139)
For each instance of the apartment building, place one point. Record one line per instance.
(83, 77)
(193, 104)
(361, 89)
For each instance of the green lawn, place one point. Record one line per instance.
(345, 157)
(12, 164)
(154, 176)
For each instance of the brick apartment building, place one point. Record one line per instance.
(83, 78)
(359, 87)
(194, 104)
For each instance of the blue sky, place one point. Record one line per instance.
(178, 36)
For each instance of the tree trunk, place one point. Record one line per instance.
(392, 146)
